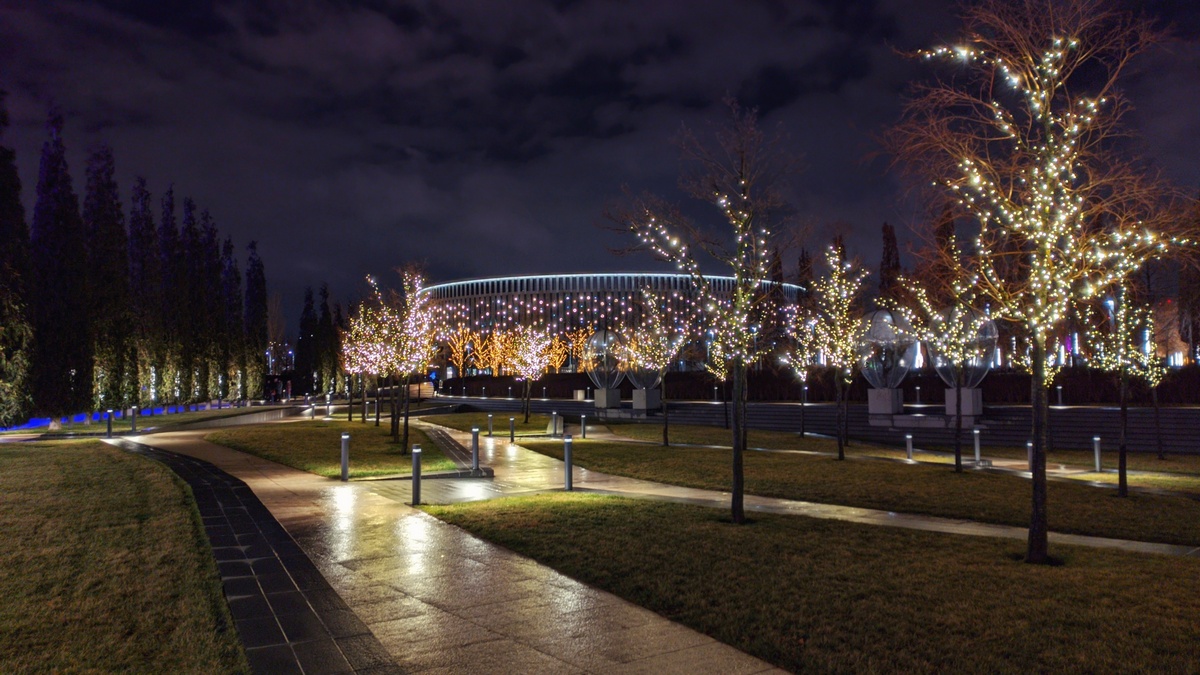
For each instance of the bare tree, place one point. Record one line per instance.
(1023, 135)
(739, 170)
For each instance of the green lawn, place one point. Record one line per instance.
(1184, 470)
(894, 486)
(824, 596)
(316, 446)
(536, 426)
(104, 566)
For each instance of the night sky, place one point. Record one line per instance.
(485, 138)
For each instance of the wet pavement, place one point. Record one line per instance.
(441, 600)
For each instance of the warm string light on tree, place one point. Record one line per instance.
(652, 344)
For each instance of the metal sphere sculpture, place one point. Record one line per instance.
(976, 354)
(602, 359)
(887, 349)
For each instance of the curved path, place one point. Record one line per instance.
(439, 599)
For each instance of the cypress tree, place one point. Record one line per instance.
(233, 349)
(210, 331)
(16, 334)
(61, 375)
(889, 264)
(326, 343)
(187, 287)
(14, 233)
(306, 346)
(804, 270)
(172, 308)
(146, 295)
(107, 282)
(256, 324)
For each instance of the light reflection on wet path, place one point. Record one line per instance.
(438, 598)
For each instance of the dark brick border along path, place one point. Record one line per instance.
(287, 615)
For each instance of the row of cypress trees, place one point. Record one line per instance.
(153, 313)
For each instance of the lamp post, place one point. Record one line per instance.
(133, 419)
(345, 457)
(474, 450)
(110, 418)
(416, 475)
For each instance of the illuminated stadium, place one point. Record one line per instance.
(563, 302)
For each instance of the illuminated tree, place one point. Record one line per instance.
(16, 340)
(415, 343)
(834, 317)
(950, 331)
(740, 174)
(651, 346)
(1061, 214)
(802, 351)
(530, 348)
(1127, 350)
(578, 339)
(557, 353)
(458, 342)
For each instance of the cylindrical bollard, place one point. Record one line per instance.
(512, 430)
(567, 482)
(554, 423)
(583, 425)
(543, 392)
(474, 448)
(489, 424)
(133, 418)
(977, 459)
(1096, 450)
(345, 457)
(485, 392)
(110, 415)
(1029, 453)
(328, 405)
(918, 394)
(416, 475)
(908, 446)
(312, 412)
(1059, 388)
(510, 392)
(715, 392)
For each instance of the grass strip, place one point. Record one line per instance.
(104, 566)
(536, 426)
(824, 596)
(891, 486)
(316, 446)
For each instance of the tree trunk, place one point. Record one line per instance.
(739, 438)
(350, 399)
(376, 400)
(958, 401)
(1157, 423)
(839, 411)
(528, 390)
(725, 403)
(395, 421)
(1038, 550)
(407, 399)
(362, 387)
(803, 407)
(663, 387)
(1123, 388)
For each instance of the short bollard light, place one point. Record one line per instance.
(554, 424)
(583, 426)
(328, 405)
(133, 418)
(918, 394)
(543, 392)
(1059, 388)
(908, 446)
(977, 458)
(485, 392)
(567, 483)
(110, 416)
(714, 392)
(510, 392)
(416, 475)
(312, 412)
(345, 457)
(1096, 450)
(512, 430)
(1029, 453)
(489, 424)
(474, 449)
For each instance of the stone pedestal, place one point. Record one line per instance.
(885, 401)
(580, 395)
(556, 425)
(972, 400)
(647, 399)
(608, 398)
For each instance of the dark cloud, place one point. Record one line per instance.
(350, 136)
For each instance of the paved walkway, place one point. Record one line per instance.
(441, 600)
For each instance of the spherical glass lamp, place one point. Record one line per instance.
(642, 377)
(887, 349)
(602, 359)
(981, 347)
